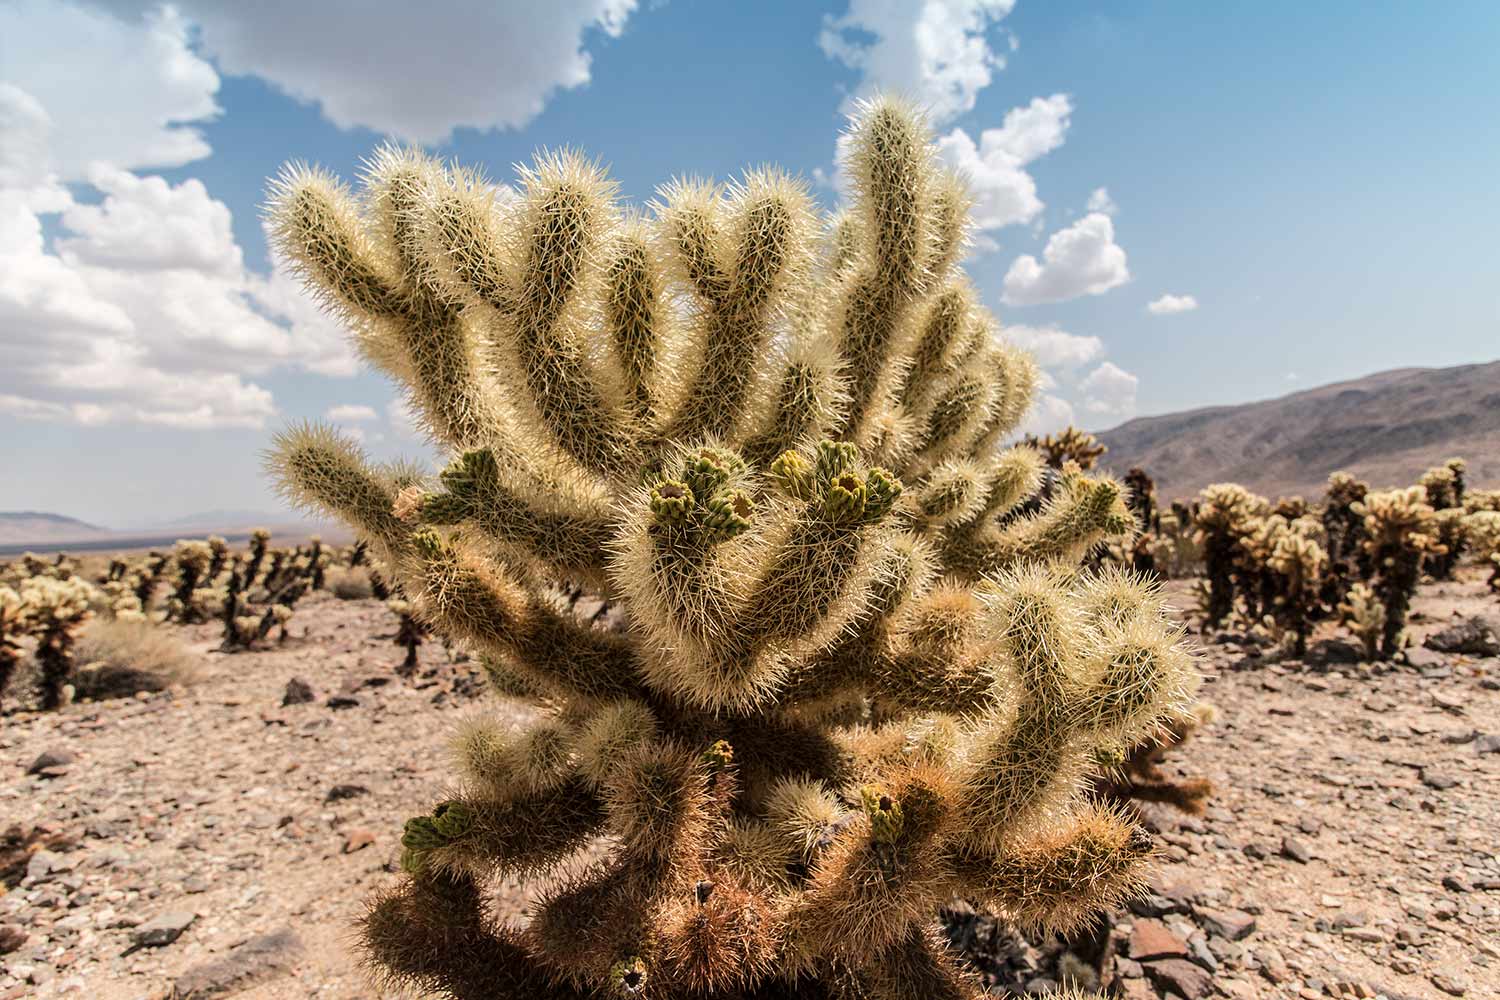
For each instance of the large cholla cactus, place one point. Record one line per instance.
(1400, 531)
(57, 609)
(1226, 516)
(14, 624)
(833, 689)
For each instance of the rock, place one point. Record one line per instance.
(51, 763)
(1487, 744)
(1151, 939)
(1455, 883)
(256, 960)
(1473, 636)
(163, 929)
(1236, 925)
(1296, 850)
(1448, 985)
(1257, 850)
(1438, 780)
(298, 692)
(1180, 977)
(1424, 659)
(11, 938)
(1334, 651)
(339, 701)
(340, 792)
(357, 840)
(1450, 702)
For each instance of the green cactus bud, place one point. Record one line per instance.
(794, 474)
(726, 516)
(834, 459)
(429, 543)
(413, 861)
(671, 503)
(845, 499)
(452, 819)
(421, 834)
(882, 490)
(628, 976)
(884, 812)
(709, 468)
(719, 756)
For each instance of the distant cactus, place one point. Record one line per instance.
(1401, 531)
(1364, 615)
(14, 625)
(409, 635)
(1225, 517)
(56, 609)
(844, 686)
(1068, 445)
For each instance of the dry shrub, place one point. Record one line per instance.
(120, 658)
(350, 584)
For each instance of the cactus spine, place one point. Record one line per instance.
(850, 678)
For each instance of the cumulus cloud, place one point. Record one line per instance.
(1100, 201)
(937, 51)
(1054, 348)
(137, 105)
(351, 413)
(415, 73)
(1082, 259)
(1169, 305)
(1109, 390)
(995, 166)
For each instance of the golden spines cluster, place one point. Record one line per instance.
(849, 672)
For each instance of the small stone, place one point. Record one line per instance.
(340, 792)
(258, 959)
(358, 840)
(1449, 702)
(1438, 780)
(1487, 744)
(1236, 925)
(11, 938)
(1257, 850)
(1179, 976)
(1454, 883)
(163, 929)
(1296, 850)
(54, 761)
(298, 692)
(1151, 939)
(1473, 636)
(339, 701)
(1448, 984)
(1367, 934)
(1424, 659)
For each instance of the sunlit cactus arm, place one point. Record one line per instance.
(533, 286)
(920, 965)
(805, 404)
(941, 334)
(1082, 513)
(430, 933)
(368, 273)
(478, 601)
(317, 469)
(939, 662)
(1063, 878)
(519, 836)
(564, 523)
(1016, 377)
(635, 314)
(891, 167)
(960, 412)
(742, 255)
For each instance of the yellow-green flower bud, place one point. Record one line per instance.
(452, 819)
(794, 474)
(628, 976)
(726, 516)
(845, 499)
(884, 812)
(882, 489)
(671, 502)
(421, 834)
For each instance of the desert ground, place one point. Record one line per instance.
(219, 838)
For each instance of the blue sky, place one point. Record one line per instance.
(1305, 192)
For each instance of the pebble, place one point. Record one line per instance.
(163, 929)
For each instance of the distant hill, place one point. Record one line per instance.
(29, 526)
(1385, 428)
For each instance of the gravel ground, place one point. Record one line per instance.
(211, 841)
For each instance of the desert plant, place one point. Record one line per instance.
(260, 540)
(1482, 530)
(14, 625)
(1225, 516)
(120, 657)
(56, 609)
(1296, 562)
(1069, 445)
(349, 583)
(1363, 613)
(1400, 532)
(768, 450)
(409, 634)
(193, 559)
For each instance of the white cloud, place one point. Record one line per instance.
(403, 419)
(413, 72)
(351, 413)
(1004, 193)
(1048, 414)
(1169, 305)
(1109, 390)
(125, 91)
(1100, 201)
(1082, 259)
(935, 52)
(1054, 348)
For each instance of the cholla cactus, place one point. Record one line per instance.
(14, 624)
(1444, 487)
(1363, 613)
(1482, 531)
(260, 540)
(410, 634)
(834, 688)
(1297, 562)
(57, 609)
(1068, 445)
(1400, 532)
(193, 560)
(1225, 517)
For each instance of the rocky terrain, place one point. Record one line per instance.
(1385, 428)
(219, 839)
